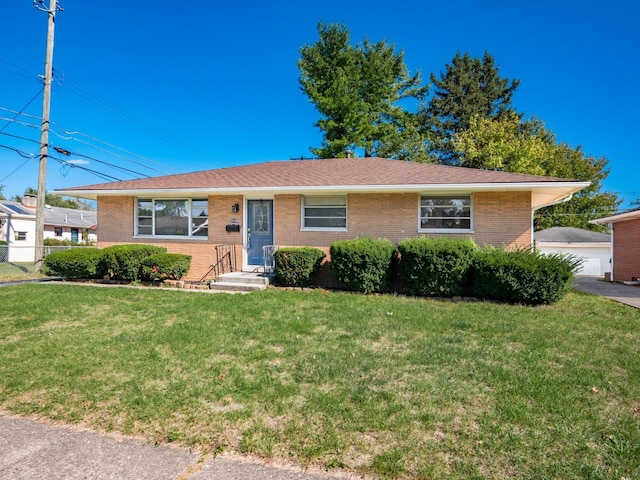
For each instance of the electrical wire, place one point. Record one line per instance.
(17, 114)
(19, 137)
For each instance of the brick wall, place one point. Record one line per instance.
(626, 250)
(116, 224)
(502, 219)
(499, 219)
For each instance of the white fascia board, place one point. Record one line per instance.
(554, 190)
(617, 218)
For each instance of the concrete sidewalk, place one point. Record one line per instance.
(629, 295)
(32, 451)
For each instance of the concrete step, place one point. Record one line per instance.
(236, 286)
(241, 282)
(245, 277)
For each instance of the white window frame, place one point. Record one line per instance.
(303, 218)
(20, 236)
(153, 201)
(421, 229)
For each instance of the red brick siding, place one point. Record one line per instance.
(626, 250)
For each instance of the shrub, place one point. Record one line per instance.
(437, 266)
(362, 264)
(522, 276)
(4, 250)
(55, 242)
(165, 266)
(123, 262)
(74, 263)
(297, 267)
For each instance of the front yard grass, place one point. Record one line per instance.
(17, 271)
(391, 386)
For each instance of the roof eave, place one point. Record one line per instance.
(544, 193)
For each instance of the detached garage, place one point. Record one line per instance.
(593, 247)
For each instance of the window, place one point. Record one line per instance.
(173, 218)
(324, 213)
(446, 212)
(57, 231)
(21, 236)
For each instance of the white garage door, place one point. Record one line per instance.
(590, 266)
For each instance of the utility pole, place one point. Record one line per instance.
(44, 133)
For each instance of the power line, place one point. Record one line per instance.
(17, 114)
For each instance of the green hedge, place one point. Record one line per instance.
(74, 263)
(124, 262)
(297, 267)
(362, 264)
(522, 276)
(437, 266)
(165, 266)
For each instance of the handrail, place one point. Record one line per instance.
(225, 261)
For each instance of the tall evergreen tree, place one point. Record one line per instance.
(357, 90)
(469, 87)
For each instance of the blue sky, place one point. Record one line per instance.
(166, 87)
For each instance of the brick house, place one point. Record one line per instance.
(625, 245)
(316, 202)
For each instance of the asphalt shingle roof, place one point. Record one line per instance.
(571, 235)
(321, 173)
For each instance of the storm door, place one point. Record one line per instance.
(259, 229)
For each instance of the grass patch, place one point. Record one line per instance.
(17, 270)
(392, 386)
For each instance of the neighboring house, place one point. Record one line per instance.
(18, 226)
(316, 202)
(594, 248)
(625, 247)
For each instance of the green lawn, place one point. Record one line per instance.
(17, 271)
(392, 386)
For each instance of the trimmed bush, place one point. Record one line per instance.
(123, 262)
(165, 266)
(297, 267)
(437, 266)
(54, 242)
(74, 263)
(362, 264)
(522, 276)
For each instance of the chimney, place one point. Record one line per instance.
(29, 201)
(348, 153)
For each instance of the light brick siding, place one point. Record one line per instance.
(116, 223)
(501, 219)
(626, 250)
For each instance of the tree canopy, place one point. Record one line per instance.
(511, 145)
(368, 101)
(469, 87)
(55, 200)
(358, 92)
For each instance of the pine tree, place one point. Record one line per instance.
(469, 87)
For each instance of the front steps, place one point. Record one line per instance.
(241, 282)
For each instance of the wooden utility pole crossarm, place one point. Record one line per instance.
(44, 134)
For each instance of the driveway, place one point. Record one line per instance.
(629, 295)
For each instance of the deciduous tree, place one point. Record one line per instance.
(358, 92)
